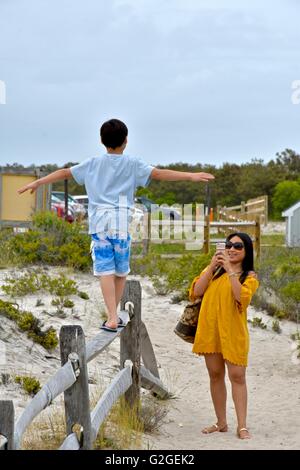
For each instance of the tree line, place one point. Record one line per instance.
(279, 179)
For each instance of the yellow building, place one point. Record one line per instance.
(17, 210)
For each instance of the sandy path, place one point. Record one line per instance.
(273, 374)
(273, 386)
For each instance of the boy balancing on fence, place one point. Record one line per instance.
(111, 180)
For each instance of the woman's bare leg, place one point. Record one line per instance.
(237, 376)
(216, 369)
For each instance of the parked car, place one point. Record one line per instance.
(58, 207)
(83, 200)
(79, 210)
(152, 207)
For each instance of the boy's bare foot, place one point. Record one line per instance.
(215, 428)
(111, 324)
(243, 433)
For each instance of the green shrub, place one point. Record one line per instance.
(52, 241)
(83, 295)
(17, 287)
(62, 286)
(279, 272)
(62, 303)
(9, 310)
(7, 256)
(74, 256)
(29, 384)
(48, 339)
(292, 291)
(38, 281)
(273, 310)
(276, 326)
(26, 321)
(68, 303)
(177, 274)
(295, 336)
(258, 322)
(160, 285)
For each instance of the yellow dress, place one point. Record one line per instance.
(222, 325)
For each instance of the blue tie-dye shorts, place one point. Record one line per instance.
(110, 255)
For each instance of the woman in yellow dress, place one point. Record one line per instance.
(227, 286)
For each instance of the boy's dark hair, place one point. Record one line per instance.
(113, 133)
(248, 261)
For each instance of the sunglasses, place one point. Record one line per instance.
(236, 245)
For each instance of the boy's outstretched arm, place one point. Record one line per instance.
(58, 175)
(172, 175)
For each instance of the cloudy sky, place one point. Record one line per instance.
(195, 80)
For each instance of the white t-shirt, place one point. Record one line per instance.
(111, 181)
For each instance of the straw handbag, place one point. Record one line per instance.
(187, 325)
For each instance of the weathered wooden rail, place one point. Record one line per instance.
(138, 368)
(250, 210)
(225, 228)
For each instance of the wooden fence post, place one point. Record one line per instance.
(77, 404)
(243, 207)
(7, 420)
(130, 344)
(257, 236)
(266, 209)
(218, 214)
(206, 244)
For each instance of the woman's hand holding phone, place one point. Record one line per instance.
(215, 263)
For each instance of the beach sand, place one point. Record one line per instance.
(273, 374)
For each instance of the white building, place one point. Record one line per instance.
(292, 234)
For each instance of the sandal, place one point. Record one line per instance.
(215, 428)
(121, 324)
(108, 328)
(238, 433)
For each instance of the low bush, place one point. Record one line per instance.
(171, 274)
(50, 240)
(37, 281)
(276, 326)
(29, 384)
(257, 322)
(279, 275)
(26, 321)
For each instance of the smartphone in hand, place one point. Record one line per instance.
(220, 248)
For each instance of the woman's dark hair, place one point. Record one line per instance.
(248, 261)
(113, 133)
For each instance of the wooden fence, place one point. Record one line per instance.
(245, 211)
(138, 368)
(224, 228)
(253, 229)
